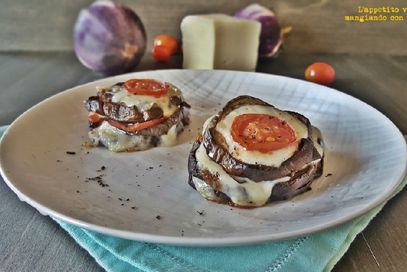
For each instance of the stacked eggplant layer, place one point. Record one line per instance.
(119, 112)
(223, 171)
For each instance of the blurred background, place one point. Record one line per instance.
(318, 26)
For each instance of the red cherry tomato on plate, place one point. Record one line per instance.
(262, 132)
(320, 72)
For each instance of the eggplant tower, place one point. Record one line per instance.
(252, 153)
(137, 115)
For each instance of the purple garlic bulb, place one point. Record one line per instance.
(109, 38)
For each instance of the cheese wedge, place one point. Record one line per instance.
(220, 41)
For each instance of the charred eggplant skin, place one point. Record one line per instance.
(299, 171)
(217, 148)
(281, 191)
(103, 105)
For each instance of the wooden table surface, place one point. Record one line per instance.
(370, 60)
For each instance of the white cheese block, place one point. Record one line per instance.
(219, 41)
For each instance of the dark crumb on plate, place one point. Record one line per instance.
(101, 169)
(102, 184)
(59, 161)
(200, 212)
(70, 152)
(158, 217)
(99, 180)
(328, 175)
(134, 208)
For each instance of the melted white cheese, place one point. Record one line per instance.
(118, 141)
(316, 133)
(205, 190)
(249, 193)
(145, 102)
(274, 158)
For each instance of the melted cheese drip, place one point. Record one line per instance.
(274, 158)
(145, 102)
(249, 193)
(118, 141)
(316, 133)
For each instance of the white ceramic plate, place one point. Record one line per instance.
(148, 198)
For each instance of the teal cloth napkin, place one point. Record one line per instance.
(317, 252)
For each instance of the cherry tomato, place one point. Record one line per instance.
(131, 127)
(161, 53)
(166, 41)
(262, 132)
(150, 87)
(320, 73)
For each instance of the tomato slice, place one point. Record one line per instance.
(150, 87)
(94, 117)
(132, 127)
(262, 132)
